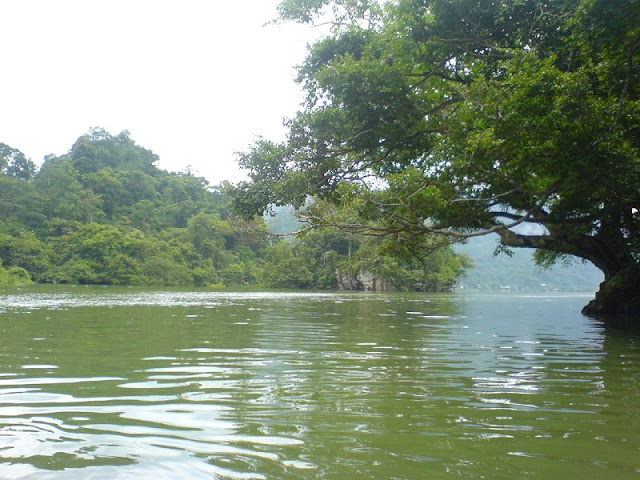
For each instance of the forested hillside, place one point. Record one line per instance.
(104, 213)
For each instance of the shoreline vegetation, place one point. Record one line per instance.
(104, 214)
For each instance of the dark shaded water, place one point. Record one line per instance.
(113, 384)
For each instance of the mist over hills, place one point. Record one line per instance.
(519, 271)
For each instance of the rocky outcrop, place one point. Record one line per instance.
(618, 299)
(364, 281)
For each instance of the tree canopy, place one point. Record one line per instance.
(448, 119)
(105, 214)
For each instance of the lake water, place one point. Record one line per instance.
(101, 383)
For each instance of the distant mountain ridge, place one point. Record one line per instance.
(519, 271)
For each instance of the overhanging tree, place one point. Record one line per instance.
(457, 118)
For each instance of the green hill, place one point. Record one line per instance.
(104, 213)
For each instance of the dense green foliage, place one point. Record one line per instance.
(457, 118)
(321, 257)
(105, 214)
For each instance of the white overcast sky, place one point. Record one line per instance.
(192, 80)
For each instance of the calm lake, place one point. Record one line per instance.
(105, 383)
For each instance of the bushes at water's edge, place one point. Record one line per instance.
(105, 214)
(14, 276)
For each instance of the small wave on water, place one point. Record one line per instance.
(95, 298)
(178, 423)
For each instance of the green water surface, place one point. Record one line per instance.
(126, 383)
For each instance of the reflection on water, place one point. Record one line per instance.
(104, 383)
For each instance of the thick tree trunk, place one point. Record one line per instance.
(617, 301)
(618, 298)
